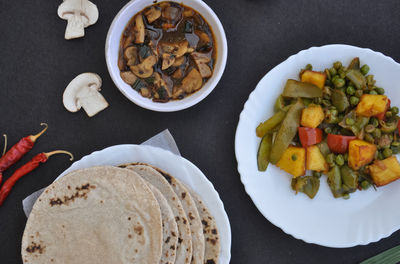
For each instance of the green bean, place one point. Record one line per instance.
(354, 100)
(264, 152)
(339, 160)
(339, 100)
(350, 121)
(350, 90)
(359, 93)
(369, 138)
(297, 89)
(355, 64)
(271, 123)
(364, 69)
(377, 133)
(370, 80)
(349, 178)
(335, 181)
(337, 65)
(387, 153)
(388, 127)
(356, 78)
(380, 90)
(374, 121)
(369, 128)
(326, 102)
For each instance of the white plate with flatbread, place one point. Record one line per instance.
(175, 165)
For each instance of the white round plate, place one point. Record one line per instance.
(178, 167)
(367, 216)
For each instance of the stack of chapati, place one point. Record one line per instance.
(132, 214)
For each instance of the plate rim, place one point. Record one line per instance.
(240, 166)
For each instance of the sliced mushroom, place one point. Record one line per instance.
(152, 14)
(80, 14)
(178, 74)
(188, 13)
(145, 92)
(83, 91)
(128, 77)
(177, 48)
(160, 83)
(179, 61)
(201, 60)
(171, 13)
(139, 29)
(130, 55)
(167, 61)
(204, 38)
(129, 40)
(144, 69)
(191, 83)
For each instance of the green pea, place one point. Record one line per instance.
(326, 102)
(317, 174)
(369, 138)
(377, 133)
(346, 157)
(339, 82)
(332, 71)
(346, 196)
(350, 90)
(387, 153)
(354, 100)
(334, 112)
(337, 65)
(373, 92)
(334, 78)
(330, 158)
(308, 67)
(380, 90)
(359, 93)
(364, 69)
(388, 114)
(342, 75)
(328, 130)
(380, 156)
(339, 160)
(350, 121)
(394, 110)
(374, 121)
(365, 185)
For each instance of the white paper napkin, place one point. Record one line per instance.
(162, 140)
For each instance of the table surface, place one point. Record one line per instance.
(37, 64)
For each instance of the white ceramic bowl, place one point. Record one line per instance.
(112, 47)
(367, 216)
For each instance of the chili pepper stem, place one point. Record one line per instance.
(5, 144)
(49, 154)
(33, 138)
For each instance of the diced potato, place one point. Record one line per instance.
(360, 153)
(293, 161)
(315, 160)
(316, 78)
(385, 171)
(312, 116)
(371, 105)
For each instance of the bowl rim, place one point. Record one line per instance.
(207, 88)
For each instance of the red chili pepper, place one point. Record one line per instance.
(16, 152)
(339, 143)
(309, 136)
(25, 169)
(382, 115)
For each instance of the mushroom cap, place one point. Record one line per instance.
(86, 80)
(85, 8)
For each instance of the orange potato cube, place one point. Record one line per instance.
(315, 160)
(371, 105)
(312, 116)
(385, 171)
(316, 78)
(293, 161)
(360, 153)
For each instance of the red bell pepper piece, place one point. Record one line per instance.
(309, 136)
(339, 143)
(382, 115)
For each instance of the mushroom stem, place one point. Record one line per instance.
(35, 137)
(5, 144)
(92, 101)
(49, 154)
(75, 27)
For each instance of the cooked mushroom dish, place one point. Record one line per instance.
(167, 52)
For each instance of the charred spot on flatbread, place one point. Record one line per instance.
(35, 248)
(80, 192)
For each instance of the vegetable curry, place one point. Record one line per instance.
(167, 52)
(337, 123)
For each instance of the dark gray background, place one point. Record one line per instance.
(36, 64)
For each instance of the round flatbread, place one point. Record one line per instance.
(210, 230)
(96, 215)
(191, 211)
(184, 247)
(170, 228)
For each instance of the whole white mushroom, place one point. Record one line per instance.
(79, 14)
(83, 91)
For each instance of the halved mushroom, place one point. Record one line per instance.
(177, 48)
(201, 60)
(160, 83)
(139, 29)
(80, 14)
(130, 55)
(191, 83)
(83, 91)
(128, 77)
(178, 74)
(179, 61)
(167, 61)
(204, 38)
(152, 14)
(144, 69)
